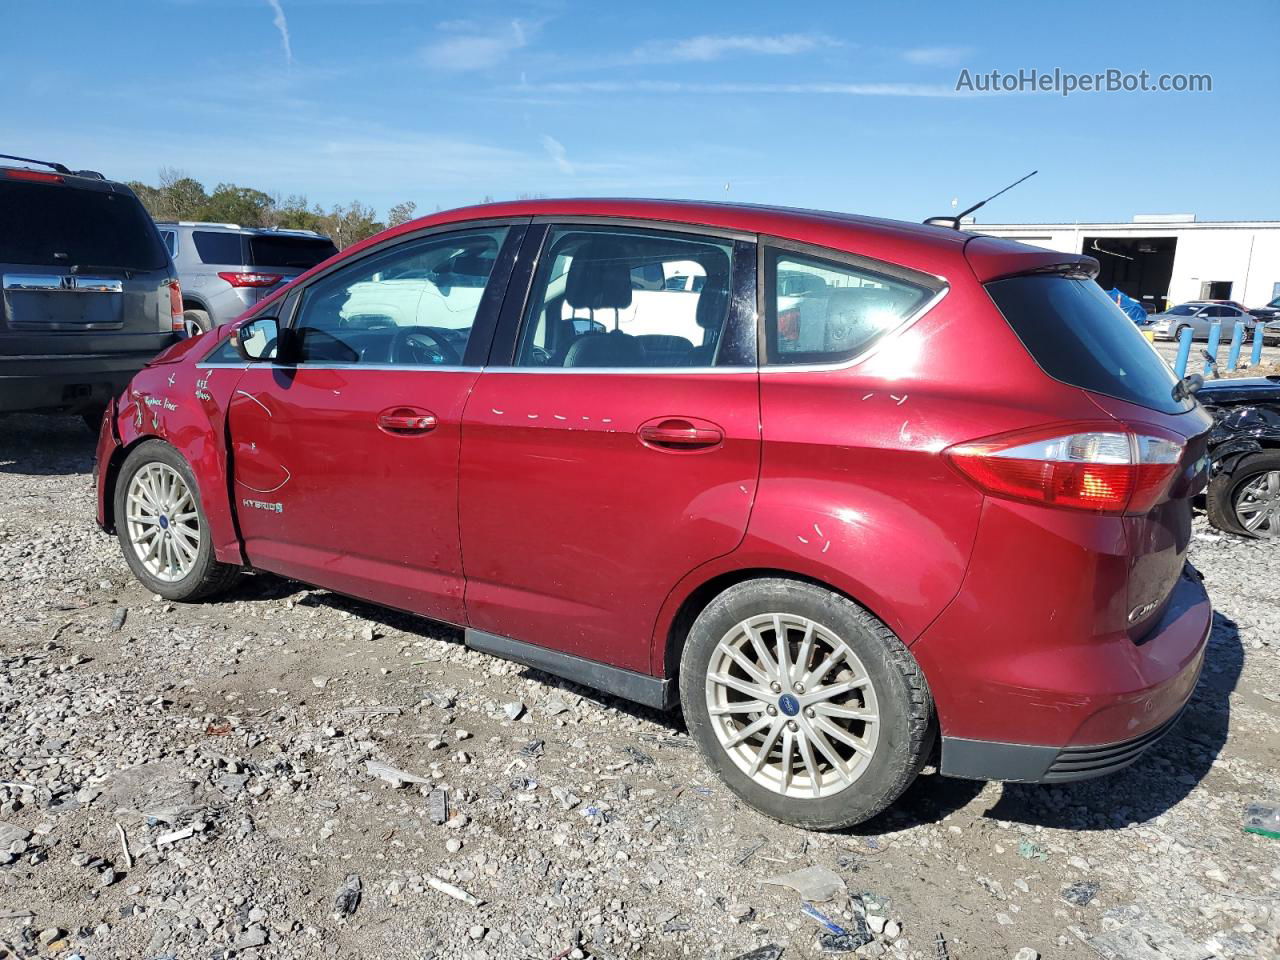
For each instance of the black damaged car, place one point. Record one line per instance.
(1244, 445)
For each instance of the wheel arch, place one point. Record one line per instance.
(695, 599)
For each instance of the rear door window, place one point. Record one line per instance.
(53, 225)
(625, 297)
(300, 253)
(1078, 336)
(215, 247)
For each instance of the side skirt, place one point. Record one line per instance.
(650, 691)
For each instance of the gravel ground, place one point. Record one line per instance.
(275, 763)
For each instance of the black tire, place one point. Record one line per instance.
(1220, 498)
(207, 576)
(196, 319)
(906, 709)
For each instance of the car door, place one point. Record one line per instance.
(345, 450)
(613, 444)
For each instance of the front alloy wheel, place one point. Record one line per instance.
(162, 527)
(163, 523)
(792, 705)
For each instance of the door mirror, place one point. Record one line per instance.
(256, 339)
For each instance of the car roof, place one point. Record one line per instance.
(236, 228)
(931, 249)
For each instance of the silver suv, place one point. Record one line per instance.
(225, 268)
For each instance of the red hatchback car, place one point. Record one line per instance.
(836, 486)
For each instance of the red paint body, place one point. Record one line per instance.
(537, 508)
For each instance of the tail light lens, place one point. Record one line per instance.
(1099, 469)
(252, 279)
(175, 306)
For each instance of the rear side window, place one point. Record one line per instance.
(825, 311)
(215, 247)
(1077, 335)
(58, 226)
(302, 253)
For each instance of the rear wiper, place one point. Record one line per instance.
(1187, 387)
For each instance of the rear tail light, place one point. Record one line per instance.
(252, 279)
(175, 307)
(1100, 469)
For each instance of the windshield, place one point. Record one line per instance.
(1185, 310)
(52, 225)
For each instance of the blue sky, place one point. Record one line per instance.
(844, 105)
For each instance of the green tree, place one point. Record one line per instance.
(401, 213)
(243, 205)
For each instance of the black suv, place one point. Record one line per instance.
(90, 293)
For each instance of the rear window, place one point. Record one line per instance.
(218, 247)
(300, 252)
(58, 226)
(1077, 335)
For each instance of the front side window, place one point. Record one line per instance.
(627, 297)
(411, 305)
(824, 311)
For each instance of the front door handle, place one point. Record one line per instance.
(406, 421)
(679, 433)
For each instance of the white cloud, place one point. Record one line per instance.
(709, 47)
(473, 46)
(282, 25)
(936, 56)
(676, 87)
(556, 151)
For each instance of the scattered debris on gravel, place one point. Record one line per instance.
(285, 773)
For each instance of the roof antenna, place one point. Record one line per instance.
(954, 222)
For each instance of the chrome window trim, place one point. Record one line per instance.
(338, 366)
(626, 371)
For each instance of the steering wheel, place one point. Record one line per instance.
(422, 345)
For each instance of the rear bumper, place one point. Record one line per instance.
(1156, 677)
(65, 383)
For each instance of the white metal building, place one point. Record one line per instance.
(1171, 256)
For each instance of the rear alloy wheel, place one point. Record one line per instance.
(1246, 501)
(808, 707)
(162, 528)
(195, 322)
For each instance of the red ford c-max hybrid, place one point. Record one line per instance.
(836, 486)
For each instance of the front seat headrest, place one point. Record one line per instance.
(599, 276)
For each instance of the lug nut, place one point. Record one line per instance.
(808, 712)
(776, 687)
(799, 688)
(772, 711)
(792, 725)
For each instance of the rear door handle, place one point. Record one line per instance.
(406, 421)
(680, 433)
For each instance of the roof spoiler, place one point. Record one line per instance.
(995, 258)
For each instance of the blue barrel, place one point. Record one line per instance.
(1184, 352)
(1237, 338)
